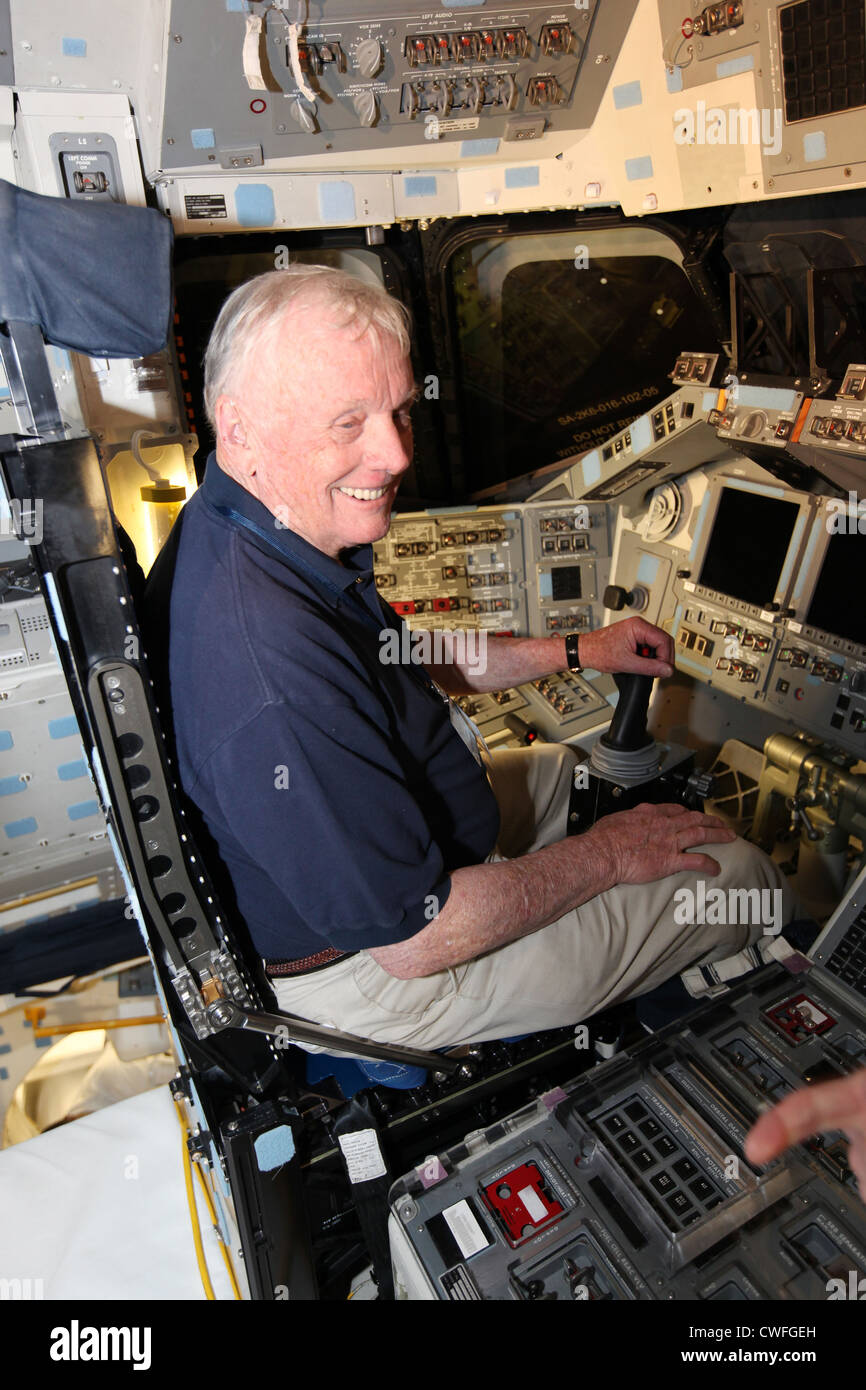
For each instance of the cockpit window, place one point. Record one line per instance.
(204, 279)
(562, 339)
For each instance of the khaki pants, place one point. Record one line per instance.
(621, 943)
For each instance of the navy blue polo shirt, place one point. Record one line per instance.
(334, 786)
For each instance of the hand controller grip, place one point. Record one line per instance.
(627, 731)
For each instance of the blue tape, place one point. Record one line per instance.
(648, 569)
(6, 740)
(590, 467)
(203, 138)
(731, 66)
(525, 176)
(471, 149)
(62, 728)
(641, 434)
(9, 786)
(793, 549)
(699, 525)
(674, 80)
(74, 48)
(82, 809)
(641, 168)
(420, 186)
(68, 772)
(336, 201)
(740, 485)
(254, 205)
(274, 1148)
(814, 146)
(14, 828)
(627, 94)
(773, 397)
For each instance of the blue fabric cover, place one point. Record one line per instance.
(95, 277)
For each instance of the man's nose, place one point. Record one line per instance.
(390, 446)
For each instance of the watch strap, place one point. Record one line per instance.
(572, 651)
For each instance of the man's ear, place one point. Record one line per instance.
(230, 426)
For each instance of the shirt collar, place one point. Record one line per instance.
(356, 566)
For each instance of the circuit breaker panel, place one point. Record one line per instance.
(528, 570)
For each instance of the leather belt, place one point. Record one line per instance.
(306, 963)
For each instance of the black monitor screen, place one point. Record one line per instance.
(837, 604)
(747, 548)
(566, 582)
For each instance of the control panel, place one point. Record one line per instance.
(631, 1182)
(531, 570)
(528, 570)
(553, 709)
(52, 830)
(667, 442)
(353, 79)
(832, 434)
(757, 584)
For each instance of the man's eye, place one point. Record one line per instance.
(353, 424)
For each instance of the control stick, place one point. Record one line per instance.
(627, 749)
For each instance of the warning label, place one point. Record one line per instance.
(205, 205)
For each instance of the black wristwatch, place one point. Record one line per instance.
(572, 653)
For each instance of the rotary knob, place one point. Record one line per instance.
(366, 107)
(369, 57)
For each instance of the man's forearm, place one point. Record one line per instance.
(492, 904)
(502, 662)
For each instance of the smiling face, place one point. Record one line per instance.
(321, 434)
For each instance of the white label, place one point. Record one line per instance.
(795, 627)
(463, 123)
(767, 617)
(811, 1013)
(689, 587)
(465, 1229)
(533, 1203)
(363, 1155)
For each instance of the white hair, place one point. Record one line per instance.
(259, 305)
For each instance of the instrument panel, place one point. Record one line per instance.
(355, 79)
(631, 1184)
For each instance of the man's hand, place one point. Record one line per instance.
(650, 842)
(832, 1105)
(614, 649)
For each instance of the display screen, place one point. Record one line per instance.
(837, 604)
(566, 582)
(748, 545)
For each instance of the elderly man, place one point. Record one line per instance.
(394, 886)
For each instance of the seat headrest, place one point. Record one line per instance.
(94, 277)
